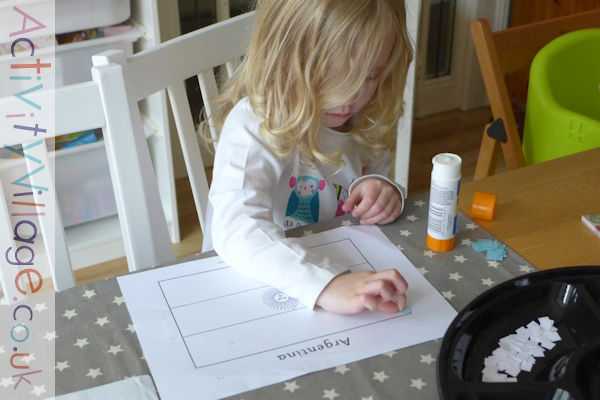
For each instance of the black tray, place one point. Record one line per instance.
(570, 371)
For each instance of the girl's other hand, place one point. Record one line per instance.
(374, 201)
(354, 292)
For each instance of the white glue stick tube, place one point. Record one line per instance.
(443, 196)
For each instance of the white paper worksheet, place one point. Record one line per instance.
(208, 332)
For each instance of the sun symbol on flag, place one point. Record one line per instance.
(278, 300)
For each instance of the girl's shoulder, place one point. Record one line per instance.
(242, 125)
(242, 110)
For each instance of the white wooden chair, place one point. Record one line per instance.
(405, 124)
(65, 110)
(76, 108)
(124, 81)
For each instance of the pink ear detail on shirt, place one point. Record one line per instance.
(292, 182)
(322, 184)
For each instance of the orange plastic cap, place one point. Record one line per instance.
(484, 206)
(440, 245)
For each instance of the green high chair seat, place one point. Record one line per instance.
(563, 99)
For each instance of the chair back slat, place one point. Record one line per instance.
(141, 216)
(167, 66)
(69, 109)
(190, 148)
(209, 90)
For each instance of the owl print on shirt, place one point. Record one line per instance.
(303, 203)
(341, 195)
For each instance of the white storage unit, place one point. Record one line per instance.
(82, 178)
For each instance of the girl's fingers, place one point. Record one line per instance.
(389, 307)
(393, 276)
(364, 205)
(379, 288)
(367, 301)
(351, 201)
(393, 215)
(379, 214)
(380, 206)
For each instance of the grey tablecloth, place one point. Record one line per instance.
(95, 342)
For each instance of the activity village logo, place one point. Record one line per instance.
(25, 120)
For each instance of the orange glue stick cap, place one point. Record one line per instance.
(484, 206)
(440, 245)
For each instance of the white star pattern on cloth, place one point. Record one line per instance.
(525, 268)
(405, 232)
(487, 282)
(70, 314)
(307, 233)
(6, 382)
(390, 354)
(37, 390)
(130, 328)
(455, 276)
(18, 329)
(417, 383)
(291, 386)
(347, 222)
(330, 394)
(102, 321)
(427, 359)
(400, 247)
(412, 218)
(342, 369)
(28, 358)
(422, 270)
(380, 376)
(460, 259)
(429, 253)
(367, 398)
(62, 365)
(493, 263)
(448, 295)
(466, 242)
(50, 336)
(419, 203)
(94, 372)
(81, 342)
(89, 294)
(39, 307)
(471, 225)
(115, 349)
(119, 300)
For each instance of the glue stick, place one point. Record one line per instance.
(443, 196)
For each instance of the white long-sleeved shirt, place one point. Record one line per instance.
(257, 195)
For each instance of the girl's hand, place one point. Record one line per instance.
(374, 201)
(354, 292)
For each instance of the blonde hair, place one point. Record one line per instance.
(306, 56)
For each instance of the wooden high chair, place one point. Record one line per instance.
(507, 52)
(124, 81)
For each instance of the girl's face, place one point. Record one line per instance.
(337, 117)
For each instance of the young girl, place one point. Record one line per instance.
(303, 140)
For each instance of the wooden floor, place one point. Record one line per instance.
(450, 132)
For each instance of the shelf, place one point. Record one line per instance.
(6, 163)
(95, 242)
(131, 36)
